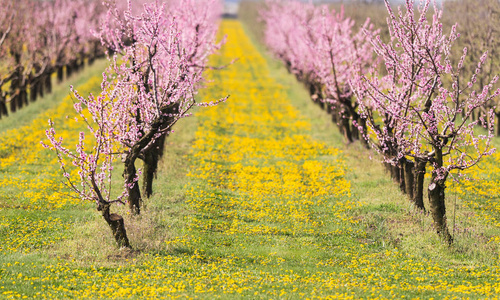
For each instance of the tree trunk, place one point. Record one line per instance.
(401, 177)
(74, 65)
(419, 176)
(436, 189)
(335, 115)
(346, 126)
(408, 166)
(81, 62)
(60, 74)
(353, 116)
(387, 167)
(130, 174)
(310, 87)
(14, 94)
(321, 103)
(23, 90)
(498, 124)
(48, 82)
(34, 83)
(355, 130)
(117, 226)
(41, 89)
(158, 126)
(33, 90)
(438, 209)
(150, 167)
(395, 174)
(151, 159)
(13, 103)
(23, 96)
(314, 92)
(161, 145)
(69, 70)
(288, 66)
(483, 119)
(19, 101)
(363, 135)
(330, 109)
(3, 106)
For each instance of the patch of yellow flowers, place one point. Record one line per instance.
(266, 174)
(31, 182)
(31, 172)
(480, 189)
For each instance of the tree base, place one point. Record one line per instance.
(117, 226)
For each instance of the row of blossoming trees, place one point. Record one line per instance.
(480, 28)
(160, 52)
(39, 38)
(404, 97)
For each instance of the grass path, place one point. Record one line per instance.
(251, 202)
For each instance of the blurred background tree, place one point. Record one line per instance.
(479, 25)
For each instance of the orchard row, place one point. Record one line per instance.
(39, 38)
(406, 96)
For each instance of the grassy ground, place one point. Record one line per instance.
(473, 209)
(253, 200)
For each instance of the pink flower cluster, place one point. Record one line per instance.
(39, 37)
(425, 101)
(323, 49)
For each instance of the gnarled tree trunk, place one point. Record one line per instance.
(345, 125)
(41, 87)
(34, 82)
(437, 208)
(395, 174)
(33, 89)
(161, 145)
(419, 175)
(3, 106)
(117, 226)
(401, 177)
(363, 133)
(408, 166)
(69, 69)
(130, 174)
(14, 94)
(60, 74)
(48, 82)
(150, 168)
(437, 205)
(498, 123)
(23, 96)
